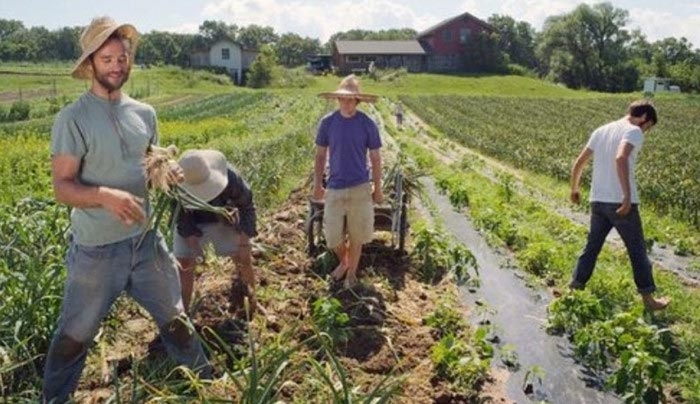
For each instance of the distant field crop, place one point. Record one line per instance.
(545, 135)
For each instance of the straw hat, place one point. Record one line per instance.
(94, 36)
(206, 173)
(349, 88)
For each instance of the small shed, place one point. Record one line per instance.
(227, 54)
(657, 84)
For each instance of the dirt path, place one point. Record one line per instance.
(451, 152)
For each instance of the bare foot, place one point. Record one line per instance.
(655, 304)
(350, 281)
(339, 271)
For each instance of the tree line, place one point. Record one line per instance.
(589, 48)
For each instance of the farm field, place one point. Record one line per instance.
(401, 335)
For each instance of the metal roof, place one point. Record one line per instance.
(410, 47)
(442, 23)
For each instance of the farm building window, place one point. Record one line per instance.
(370, 59)
(464, 34)
(225, 54)
(447, 35)
(352, 59)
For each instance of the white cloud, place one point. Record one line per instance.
(656, 25)
(534, 12)
(318, 20)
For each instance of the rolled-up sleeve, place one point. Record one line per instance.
(241, 197)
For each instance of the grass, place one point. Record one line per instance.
(425, 83)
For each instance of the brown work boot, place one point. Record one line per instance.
(653, 304)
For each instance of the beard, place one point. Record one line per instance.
(110, 86)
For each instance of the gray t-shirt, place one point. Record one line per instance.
(110, 138)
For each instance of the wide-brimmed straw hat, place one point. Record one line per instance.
(94, 36)
(349, 88)
(206, 173)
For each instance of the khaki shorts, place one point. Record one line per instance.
(356, 205)
(223, 237)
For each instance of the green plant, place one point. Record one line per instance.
(507, 186)
(641, 377)
(446, 320)
(534, 373)
(459, 363)
(573, 311)
(19, 111)
(509, 357)
(341, 390)
(329, 318)
(437, 256)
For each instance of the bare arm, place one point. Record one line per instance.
(68, 190)
(375, 159)
(623, 174)
(319, 167)
(576, 172)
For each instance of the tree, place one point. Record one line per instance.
(364, 35)
(292, 49)
(9, 27)
(485, 55)
(587, 48)
(213, 31)
(255, 36)
(159, 47)
(516, 39)
(260, 74)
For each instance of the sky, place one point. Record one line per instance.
(321, 18)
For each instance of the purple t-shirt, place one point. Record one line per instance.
(348, 140)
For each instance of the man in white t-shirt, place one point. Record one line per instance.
(614, 200)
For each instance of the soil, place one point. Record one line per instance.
(387, 335)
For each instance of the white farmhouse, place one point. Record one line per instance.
(227, 54)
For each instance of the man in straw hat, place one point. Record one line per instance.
(209, 177)
(345, 137)
(97, 145)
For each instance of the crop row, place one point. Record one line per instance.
(545, 135)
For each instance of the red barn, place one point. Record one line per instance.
(451, 41)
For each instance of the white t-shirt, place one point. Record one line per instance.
(604, 142)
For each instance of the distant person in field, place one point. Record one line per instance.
(614, 200)
(346, 137)
(211, 178)
(97, 147)
(399, 114)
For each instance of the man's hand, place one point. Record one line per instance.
(125, 206)
(575, 196)
(319, 193)
(625, 207)
(175, 175)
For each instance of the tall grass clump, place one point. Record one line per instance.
(33, 244)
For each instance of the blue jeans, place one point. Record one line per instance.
(603, 219)
(96, 277)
